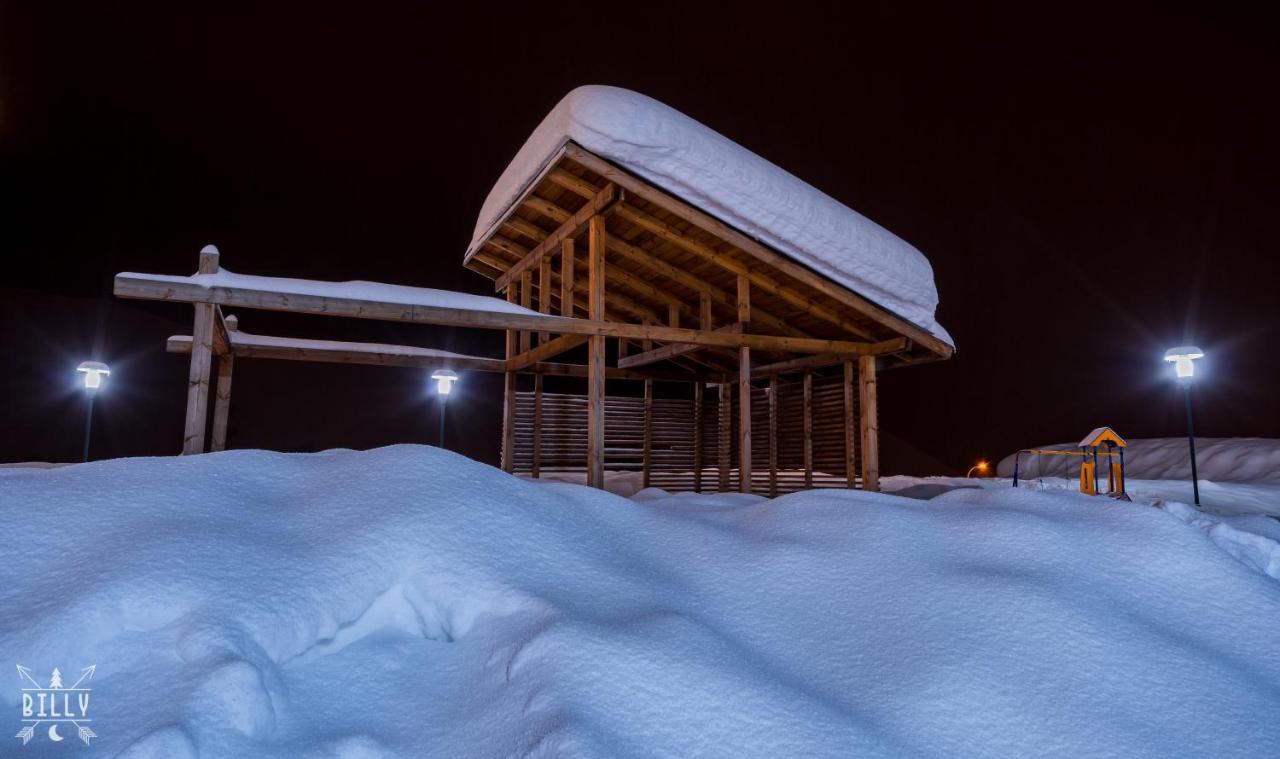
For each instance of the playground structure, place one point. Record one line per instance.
(1102, 441)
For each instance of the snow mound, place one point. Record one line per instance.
(729, 182)
(410, 602)
(1232, 459)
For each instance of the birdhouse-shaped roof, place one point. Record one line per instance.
(1103, 436)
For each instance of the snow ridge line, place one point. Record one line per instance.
(1254, 551)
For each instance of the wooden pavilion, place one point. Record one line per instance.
(778, 362)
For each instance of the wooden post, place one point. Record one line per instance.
(544, 294)
(597, 239)
(536, 470)
(509, 396)
(870, 423)
(808, 430)
(773, 436)
(566, 277)
(201, 363)
(526, 300)
(704, 311)
(648, 432)
(744, 389)
(725, 433)
(697, 437)
(849, 470)
(222, 394)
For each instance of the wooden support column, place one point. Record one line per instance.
(808, 430)
(509, 397)
(744, 389)
(773, 437)
(544, 294)
(597, 238)
(725, 439)
(870, 423)
(697, 437)
(849, 469)
(222, 394)
(536, 470)
(526, 300)
(566, 277)
(648, 432)
(201, 363)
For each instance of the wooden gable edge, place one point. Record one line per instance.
(515, 204)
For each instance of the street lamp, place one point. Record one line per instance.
(93, 372)
(445, 380)
(1183, 358)
(981, 466)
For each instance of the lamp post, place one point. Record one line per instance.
(445, 380)
(981, 466)
(93, 372)
(1183, 358)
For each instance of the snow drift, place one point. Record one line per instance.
(738, 187)
(1248, 459)
(410, 602)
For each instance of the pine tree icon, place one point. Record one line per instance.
(55, 681)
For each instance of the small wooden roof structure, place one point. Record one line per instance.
(1103, 436)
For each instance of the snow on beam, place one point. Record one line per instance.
(367, 300)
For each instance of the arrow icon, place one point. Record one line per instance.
(85, 674)
(26, 673)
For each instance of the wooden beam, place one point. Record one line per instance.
(544, 293)
(697, 437)
(201, 357)
(596, 241)
(545, 351)
(509, 399)
(849, 454)
(773, 437)
(744, 389)
(808, 430)
(820, 361)
(647, 460)
(870, 423)
(566, 277)
(569, 227)
(536, 469)
(222, 393)
(526, 300)
(698, 218)
(668, 352)
(725, 433)
(145, 287)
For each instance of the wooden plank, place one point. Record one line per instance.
(773, 437)
(870, 423)
(725, 433)
(222, 403)
(526, 300)
(668, 352)
(544, 294)
(545, 351)
(143, 287)
(566, 277)
(569, 228)
(744, 389)
(820, 360)
(700, 219)
(596, 241)
(849, 453)
(808, 430)
(537, 425)
(509, 398)
(697, 437)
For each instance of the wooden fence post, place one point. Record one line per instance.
(201, 361)
(222, 394)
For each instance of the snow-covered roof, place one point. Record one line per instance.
(731, 183)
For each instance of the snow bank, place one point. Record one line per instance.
(410, 602)
(378, 292)
(1238, 459)
(738, 187)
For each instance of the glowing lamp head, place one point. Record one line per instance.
(444, 380)
(982, 466)
(93, 372)
(1182, 358)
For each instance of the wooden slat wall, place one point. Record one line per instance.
(564, 437)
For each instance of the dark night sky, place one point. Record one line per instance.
(1090, 188)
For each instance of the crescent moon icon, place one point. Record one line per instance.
(53, 733)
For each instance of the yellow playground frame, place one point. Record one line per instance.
(1102, 441)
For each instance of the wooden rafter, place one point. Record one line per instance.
(569, 227)
(545, 351)
(668, 352)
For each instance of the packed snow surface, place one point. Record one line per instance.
(377, 292)
(410, 602)
(738, 187)
(1248, 459)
